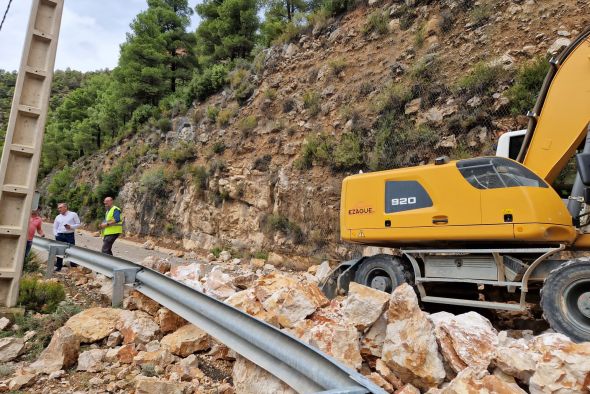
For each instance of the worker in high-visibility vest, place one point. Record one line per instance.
(112, 226)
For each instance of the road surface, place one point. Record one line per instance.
(124, 249)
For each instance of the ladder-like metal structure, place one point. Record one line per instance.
(22, 148)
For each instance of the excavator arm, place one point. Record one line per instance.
(558, 122)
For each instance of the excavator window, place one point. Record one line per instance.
(496, 173)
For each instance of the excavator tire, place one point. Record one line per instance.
(565, 299)
(382, 272)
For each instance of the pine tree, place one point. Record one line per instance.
(227, 30)
(158, 53)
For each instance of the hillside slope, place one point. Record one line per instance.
(386, 85)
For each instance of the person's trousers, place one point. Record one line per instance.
(68, 238)
(28, 249)
(107, 243)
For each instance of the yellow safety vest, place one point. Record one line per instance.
(113, 228)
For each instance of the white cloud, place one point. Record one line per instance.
(90, 36)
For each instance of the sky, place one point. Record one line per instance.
(91, 32)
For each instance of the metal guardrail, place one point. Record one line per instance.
(304, 368)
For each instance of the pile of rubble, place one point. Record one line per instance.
(148, 349)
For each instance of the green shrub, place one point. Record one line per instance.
(392, 98)
(218, 147)
(480, 14)
(225, 115)
(376, 23)
(40, 296)
(142, 114)
(407, 15)
(288, 105)
(366, 88)
(270, 94)
(337, 66)
(216, 251)
(279, 223)
(212, 113)
(200, 177)
(165, 124)
(316, 150)
(529, 80)
(240, 83)
(261, 254)
(32, 263)
(348, 154)
(148, 370)
(420, 37)
(209, 82)
(247, 124)
(481, 79)
(311, 102)
(425, 70)
(179, 155)
(336, 7)
(153, 181)
(262, 163)
(400, 143)
(289, 33)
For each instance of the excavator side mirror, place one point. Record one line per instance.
(583, 163)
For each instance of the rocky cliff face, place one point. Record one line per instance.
(252, 178)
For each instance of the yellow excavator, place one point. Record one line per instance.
(488, 231)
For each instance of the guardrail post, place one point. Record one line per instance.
(121, 277)
(54, 250)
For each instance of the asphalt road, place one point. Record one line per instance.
(122, 248)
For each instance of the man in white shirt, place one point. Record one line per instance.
(64, 226)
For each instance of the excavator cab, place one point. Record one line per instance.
(465, 203)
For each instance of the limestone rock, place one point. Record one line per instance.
(126, 354)
(470, 381)
(21, 381)
(248, 378)
(328, 331)
(137, 300)
(160, 357)
(114, 339)
(410, 347)
(10, 348)
(563, 367)
(157, 264)
(372, 341)
(388, 374)
(364, 305)
(287, 299)
(145, 385)
(381, 382)
(94, 324)
(91, 360)
(323, 271)
(408, 389)
(225, 256)
(61, 353)
(219, 285)
(186, 340)
(185, 373)
(516, 357)
(413, 106)
(169, 321)
(466, 340)
(149, 245)
(137, 327)
(4, 322)
(558, 44)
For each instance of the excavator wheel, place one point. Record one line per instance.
(565, 299)
(382, 272)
